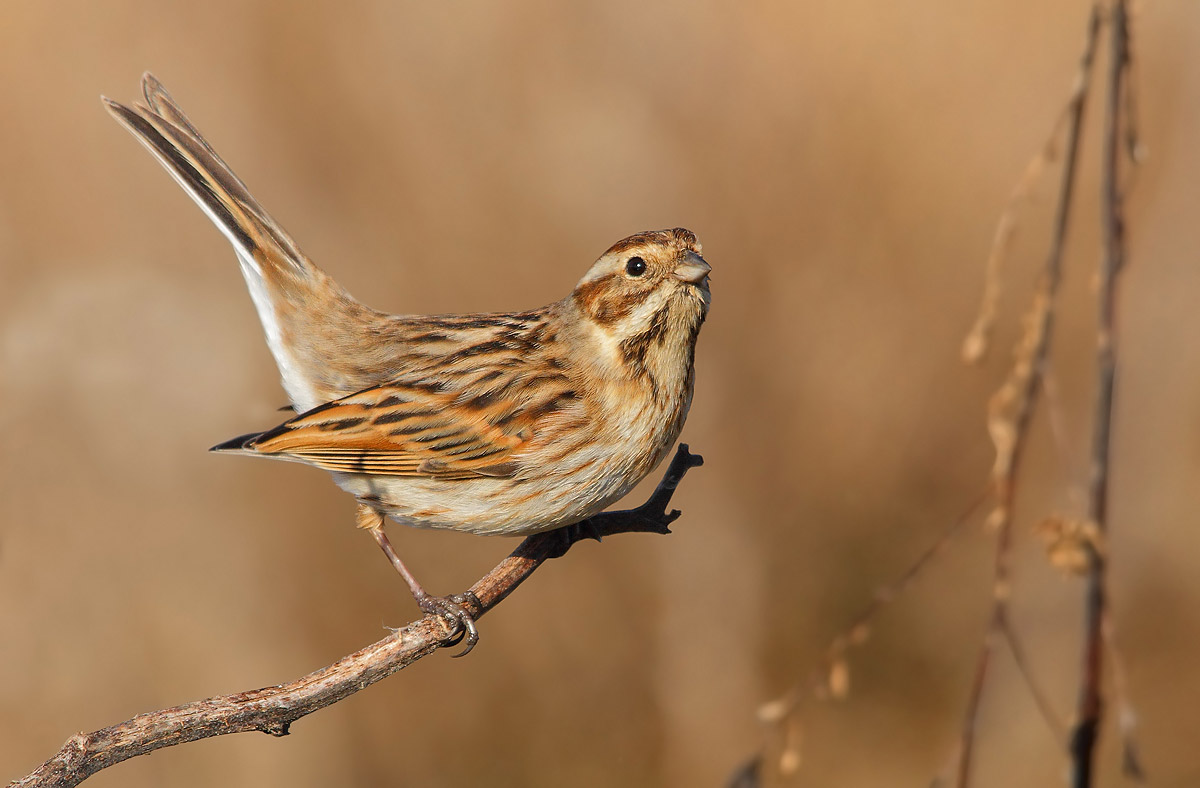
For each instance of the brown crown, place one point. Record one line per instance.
(679, 237)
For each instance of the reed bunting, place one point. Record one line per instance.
(509, 423)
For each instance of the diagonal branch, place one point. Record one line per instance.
(273, 709)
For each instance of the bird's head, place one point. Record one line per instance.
(653, 283)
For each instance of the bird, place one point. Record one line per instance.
(509, 423)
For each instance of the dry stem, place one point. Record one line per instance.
(1090, 705)
(1012, 407)
(830, 678)
(273, 709)
(1010, 412)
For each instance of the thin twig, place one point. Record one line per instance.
(978, 339)
(831, 676)
(1090, 704)
(273, 709)
(1045, 707)
(1127, 718)
(1011, 409)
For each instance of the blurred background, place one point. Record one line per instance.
(844, 164)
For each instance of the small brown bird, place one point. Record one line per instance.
(509, 423)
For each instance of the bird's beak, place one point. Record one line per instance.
(692, 269)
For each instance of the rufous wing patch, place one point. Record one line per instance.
(398, 430)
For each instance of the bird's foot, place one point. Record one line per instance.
(454, 611)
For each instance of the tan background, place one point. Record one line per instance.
(843, 163)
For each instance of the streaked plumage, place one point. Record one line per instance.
(509, 423)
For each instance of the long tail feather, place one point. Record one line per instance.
(287, 288)
(169, 135)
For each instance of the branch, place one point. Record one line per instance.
(1090, 704)
(273, 709)
(1011, 409)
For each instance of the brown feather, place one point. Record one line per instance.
(506, 423)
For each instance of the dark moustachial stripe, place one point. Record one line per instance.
(633, 352)
(658, 325)
(635, 348)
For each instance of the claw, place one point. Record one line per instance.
(453, 609)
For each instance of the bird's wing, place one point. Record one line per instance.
(410, 430)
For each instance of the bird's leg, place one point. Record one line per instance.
(451, 608)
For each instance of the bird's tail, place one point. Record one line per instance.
(295, 299)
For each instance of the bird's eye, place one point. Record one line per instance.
(635, 267)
